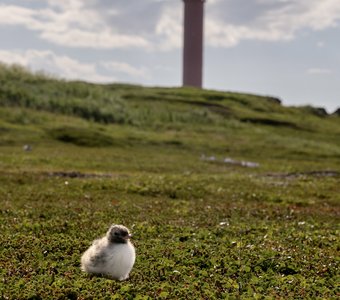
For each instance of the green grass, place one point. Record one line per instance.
(104, 154)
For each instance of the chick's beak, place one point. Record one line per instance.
(127, 237)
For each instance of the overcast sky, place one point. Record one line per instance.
(284, 48)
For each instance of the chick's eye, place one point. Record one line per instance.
(116, 233)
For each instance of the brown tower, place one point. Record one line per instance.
(193, 43)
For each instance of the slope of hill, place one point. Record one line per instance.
(228, 195)
(36, 109)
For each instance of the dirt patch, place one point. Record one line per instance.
(81, 136)
(75, 174)
(270, 122)
(322, 173)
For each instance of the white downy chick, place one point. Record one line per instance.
(113, 255)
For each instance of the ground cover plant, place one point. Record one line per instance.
(167, 163)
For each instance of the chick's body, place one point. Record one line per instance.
(113, 255)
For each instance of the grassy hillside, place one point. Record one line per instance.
(228, 195)
(36, 109)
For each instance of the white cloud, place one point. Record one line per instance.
(320, 44)
(157, 25)
(275, 21)
(90, 39)
(66, 4)
(319, 71)
(70, 26)
(169, 29)
(49, 62)
(16, 15)
(121, 67)
(12, 57)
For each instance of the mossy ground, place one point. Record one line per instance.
(203, 228)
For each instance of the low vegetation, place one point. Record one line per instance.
(170, 164)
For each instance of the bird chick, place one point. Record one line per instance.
(113, 255)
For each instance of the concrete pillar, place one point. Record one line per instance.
(193, 43)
